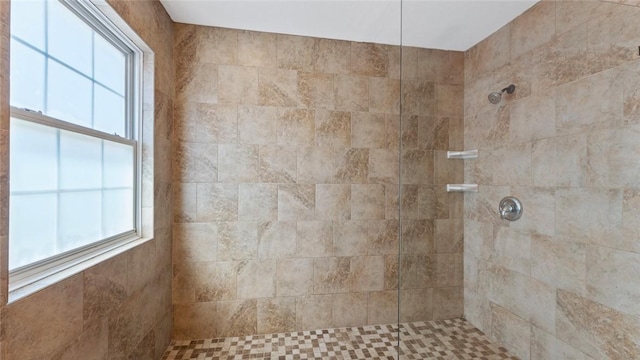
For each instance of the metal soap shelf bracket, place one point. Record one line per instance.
(462, 155)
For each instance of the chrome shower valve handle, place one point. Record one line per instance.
(510, 208)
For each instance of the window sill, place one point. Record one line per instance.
(55, 275)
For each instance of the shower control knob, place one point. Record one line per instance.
(510, 208)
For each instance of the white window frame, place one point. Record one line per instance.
(95, 19)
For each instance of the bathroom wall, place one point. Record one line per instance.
(286, 169)
(562, 282)
(121, 308)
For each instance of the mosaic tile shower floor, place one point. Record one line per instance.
(444, 339)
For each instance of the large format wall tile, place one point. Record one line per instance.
(565, 143)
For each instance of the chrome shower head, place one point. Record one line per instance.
(495, 97)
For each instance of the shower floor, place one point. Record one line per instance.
(443, 339)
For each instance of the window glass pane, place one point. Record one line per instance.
(118, 165)
(27, 77)
(70, 38)
(109, 65)
(80, 219)
(33, 157)
(80, 161)
(27, 22)
(108, 111)
(68, 95)
(117, 212)
(32, 228)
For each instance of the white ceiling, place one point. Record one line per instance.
(444, 24)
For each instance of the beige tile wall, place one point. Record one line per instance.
(121, 308)
(286, 175)
(561, 283)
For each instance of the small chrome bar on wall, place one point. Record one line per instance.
(469, 154)
(462, 187)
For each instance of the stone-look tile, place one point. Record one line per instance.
(277, 164)
(276, 239)
(369, 59)
(609, 163)
(53, 316)
(449, 100)
(560, 262)
(313, 312)
(237, 241)
(257, 202)
(393, 132)
(630, 226)
(384, 237)
(314, 239)
(448, 302)
(487, 129)
(417, 167)
(488, 55)
(352, 238)
(532, 29)
(417, 236)
(296, 202)
(631, 94)
(447, 171)
(183, 283)
(609, 45)
(276, 315)
(217, 45)
(296, 52)
(383, 167)
(105, 289)
(91, 345)
(316, 90)
(352, 165)
(257, 49)
(611, 278)
(417, 271)
(277, 87)
(409, 132)
(237, 85)
(392, 201)
(367, 202)
(200, 84)
(351, 93)
(331, 275)
(433, 133)
(569, 14)
(449, 270)
(591, 215)
(382, 307)
(367, 273)
(595, 329)
(193, 321)
(256, 279)
(349, 309)
(391, 272)
(418, 98)
(416, 304)
(527, 125)
(406, 56)
(333, 202)
(194, 162)
(214, 281)
(512, 249)
(296, 127)
(140, 265)
(294, 277)
(215, 123)
(588, 104)
(238, 163)
(315, 165)
(257, 125)
(384, 95)
(217, 202)
(333, 56)
(509, 330)
(369, 130)
(333, 128)
(448, 235)
(236, 318)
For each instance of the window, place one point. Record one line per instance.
(73, 138)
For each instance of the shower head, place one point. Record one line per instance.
(495, 97)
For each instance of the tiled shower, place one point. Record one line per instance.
(300, 185)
